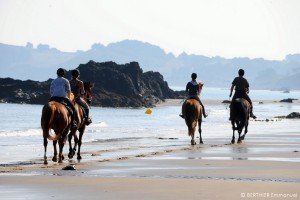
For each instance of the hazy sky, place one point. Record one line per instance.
(228, 28)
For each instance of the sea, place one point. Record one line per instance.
(121, 132)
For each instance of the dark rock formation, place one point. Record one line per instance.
(16, 91)
(115, 86)
(226, 101)
(289, 100)
(293, 115)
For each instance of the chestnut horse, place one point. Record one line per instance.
(239, 116)
(55, 116)
(192, 112)
(81, 122)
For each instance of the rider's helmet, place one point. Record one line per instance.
(194, 76)
(241, 72)
(60, 72)
(75, 73)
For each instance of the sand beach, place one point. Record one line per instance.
(265, 166)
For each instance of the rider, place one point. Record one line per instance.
(193, 90)
(77, 88)
(60, 92)
(241, 86)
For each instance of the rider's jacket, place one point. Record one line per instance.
(60, 87)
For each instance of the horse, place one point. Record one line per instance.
(55, 116)
(81, 122)
(192, 110)
(239, 117)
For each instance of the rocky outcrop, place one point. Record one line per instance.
(293, 115)
(289, 100)
(115, 86)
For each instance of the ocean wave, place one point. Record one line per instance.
(21, 133)
(98, 125)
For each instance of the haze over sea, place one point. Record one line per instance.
(118, 132)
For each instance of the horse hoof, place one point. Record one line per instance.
(54, 159)
(62, 157)
(79, 157)
(60, 161)
(201, 142)
(232, 141)
(70, 155)
(239, 141)
(193, 142)
(45, 162)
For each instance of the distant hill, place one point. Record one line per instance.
(26, 62)
(114, 86)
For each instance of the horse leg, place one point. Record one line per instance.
(75, 143)
(240, 138)
(61, 146)
(233, 137)
(200, 130)
(54, 159)
(71, 151)
(45, 147)
(245, 132)
(193, 140)
(81, 131)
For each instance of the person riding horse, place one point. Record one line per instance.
(77, 88)
(60, 91)
(193, 88)
(241, 86)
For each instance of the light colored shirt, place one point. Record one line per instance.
(60, 87)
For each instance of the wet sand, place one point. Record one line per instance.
(215, 170)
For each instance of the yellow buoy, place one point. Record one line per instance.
(148, 111)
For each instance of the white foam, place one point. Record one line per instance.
(98, 125)
(21, 133)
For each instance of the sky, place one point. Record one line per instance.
(229, 28)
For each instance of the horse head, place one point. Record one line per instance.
(88, 92)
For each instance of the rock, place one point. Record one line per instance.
(289, 100)
(69, 167)
(280, 117)
(293, 115)
(114, 86)
(226, 101)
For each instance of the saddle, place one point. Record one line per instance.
(63, 103)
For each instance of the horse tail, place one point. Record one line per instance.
(46, 120)
(190, 118)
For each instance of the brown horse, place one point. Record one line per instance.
(55, 116)
(239, 116)
(192, 110)
(81, 122)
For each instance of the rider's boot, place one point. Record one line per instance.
(251, 113)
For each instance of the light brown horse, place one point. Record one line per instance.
(192, 110)
(239, 116)
(81, 123)
(55, 116)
